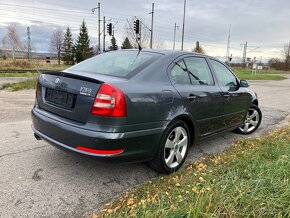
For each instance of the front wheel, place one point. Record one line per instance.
(252, 121)
(173, 149)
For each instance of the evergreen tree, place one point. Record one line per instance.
(114, 45)
(83, 49)
(126, 44)
(67, 46)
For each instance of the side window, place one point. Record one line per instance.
(179, 73)
(199, 71)
(224, 76)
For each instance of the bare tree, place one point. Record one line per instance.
(56, 43)
(14, 41)
(286, 55)
(158, 43)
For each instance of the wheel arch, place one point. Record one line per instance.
(191, 125)
(255, 102)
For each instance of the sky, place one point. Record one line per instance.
(264, 24)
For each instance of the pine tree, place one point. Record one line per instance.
(83, 49)
(114, 45)
(67, 46)
(126, 44)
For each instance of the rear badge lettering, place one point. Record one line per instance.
(85, 91)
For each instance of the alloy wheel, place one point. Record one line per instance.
(176, 146)
(251, 122)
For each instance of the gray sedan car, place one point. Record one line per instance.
(147, 105)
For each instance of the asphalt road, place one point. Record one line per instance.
(38, 180)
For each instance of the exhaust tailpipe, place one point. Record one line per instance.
(37, 137)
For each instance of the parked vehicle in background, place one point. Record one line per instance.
(148, 105)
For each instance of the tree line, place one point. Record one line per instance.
(69, 52)
(282, 63)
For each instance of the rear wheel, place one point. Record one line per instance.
(173, 149)
(252, 121)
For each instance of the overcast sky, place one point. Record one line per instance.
(263, 23)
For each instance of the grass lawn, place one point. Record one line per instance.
(28, 84)
(34, 65)
(272, 71)
(261, 75)
(251, 179)
(28, 74)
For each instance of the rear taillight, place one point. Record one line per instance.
(110, 102)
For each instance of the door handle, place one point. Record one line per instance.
(191, 97)
(227, 95)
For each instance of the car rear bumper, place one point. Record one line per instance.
(136, 146)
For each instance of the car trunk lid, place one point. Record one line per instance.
(67, 95)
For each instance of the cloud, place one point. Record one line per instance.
(261, 23)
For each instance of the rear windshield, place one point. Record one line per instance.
(120, 64)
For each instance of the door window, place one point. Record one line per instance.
(179, 73)
(223, 74)
(199, 71)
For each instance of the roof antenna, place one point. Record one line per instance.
(139, 46)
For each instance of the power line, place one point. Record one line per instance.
(46, 9)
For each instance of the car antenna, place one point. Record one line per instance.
(139, 47)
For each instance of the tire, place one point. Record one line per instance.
(252, 122)
(173, 150)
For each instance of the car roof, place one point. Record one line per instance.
(167, 52)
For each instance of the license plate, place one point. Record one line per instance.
(60, 98)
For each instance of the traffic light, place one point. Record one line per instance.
(137, 26)
(109, 28)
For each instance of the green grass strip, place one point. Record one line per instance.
(251, 179)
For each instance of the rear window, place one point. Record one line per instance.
(119, 64)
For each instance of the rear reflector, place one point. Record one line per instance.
(94, 151)
(110, 102)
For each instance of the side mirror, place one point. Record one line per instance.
(244, 83)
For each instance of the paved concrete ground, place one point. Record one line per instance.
(11, 80)
(38, 180)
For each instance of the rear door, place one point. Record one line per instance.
(236, 101)
(193, 79)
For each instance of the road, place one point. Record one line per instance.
(38, 180)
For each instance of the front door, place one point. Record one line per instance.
(236, 101)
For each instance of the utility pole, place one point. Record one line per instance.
(183, 25)
(104, 34)
(228, 46)
(245, 54)
(151, 39)
(99, 25)
(175, 28)
(28, 45)
(287, 57)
